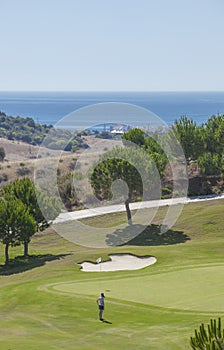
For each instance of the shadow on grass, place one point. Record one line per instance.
(20, 263)
(105, 321)
(148, 236)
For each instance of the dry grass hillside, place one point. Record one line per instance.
(22, 159)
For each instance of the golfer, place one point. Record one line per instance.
(100, 303)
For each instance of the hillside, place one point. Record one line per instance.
(21, 157)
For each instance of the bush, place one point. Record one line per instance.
(3, 177)
(23, 171)
(2, 154)
(71, 165)
(166, 190)
(78, 176)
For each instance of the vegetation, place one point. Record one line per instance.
(16, 224)
(22, 129)
(135, 135)
(26, 130)
(67, 191)
(62, 139)
(149, 144)
(3, 177)
(47, 301)
(211, 339)
(2, 154)
(156, 307)
(129, 165)
(22, 201)
(133, 165)
(203, 143)
(190, 137)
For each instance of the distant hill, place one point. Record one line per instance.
(26, 130)
(22, 129)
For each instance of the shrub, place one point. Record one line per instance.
(3, 177)
(166, 190)
(2, 154)
(23, 171)
(71, 165)
(78, 176)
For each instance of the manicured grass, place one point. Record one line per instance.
(181, 289)
(46, 302)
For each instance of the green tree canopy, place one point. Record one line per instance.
(16, 224)
(130, 165)
(135, 135)
(204, 143)
(138, 137)
(24, 190)
(213, 131)
(156, 152)
(210, 164)
(190, 136)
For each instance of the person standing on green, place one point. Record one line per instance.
(100, 303)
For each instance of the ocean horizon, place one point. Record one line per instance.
(50, 107)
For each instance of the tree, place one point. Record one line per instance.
(213, 131)
(210, 164)
(211, 339)
(135, 135)
(156, 152)
(2, 154)
(190, 137)
(138, 137)
(16, 224)
(204, 143)
(24, 190)
(130, 165)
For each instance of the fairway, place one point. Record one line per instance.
(48, 303)
(197, 289)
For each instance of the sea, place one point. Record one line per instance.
(50, 107)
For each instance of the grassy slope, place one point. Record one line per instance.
(32, 316)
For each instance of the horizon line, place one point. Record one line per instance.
(111, 91)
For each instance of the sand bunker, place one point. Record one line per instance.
(119, 262)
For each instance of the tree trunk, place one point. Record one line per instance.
(26, 248)
(128, 211)
(6, 254)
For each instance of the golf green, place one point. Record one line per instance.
(197, 289)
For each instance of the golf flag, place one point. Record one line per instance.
(99, 260)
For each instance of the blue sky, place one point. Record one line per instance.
(112, 45)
